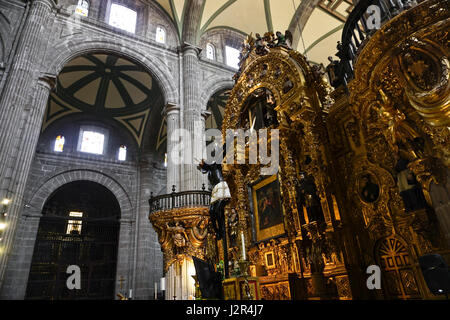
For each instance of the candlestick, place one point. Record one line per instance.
(175, 288)
(131, 294)
(243, 246)
(163, 284)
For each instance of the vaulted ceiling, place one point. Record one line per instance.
(107, 86)
(317, 23)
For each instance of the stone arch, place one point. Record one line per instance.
(18, 269)
(54, 183)
(300, 19)
(212, 88)
(74, 47)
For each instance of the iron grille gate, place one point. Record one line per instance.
(94, 251)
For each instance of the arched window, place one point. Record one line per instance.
(123, 153)
(59, 144)
(82, 8)
(210, 52)
(232, 55)
(123, 18)
(160, 34)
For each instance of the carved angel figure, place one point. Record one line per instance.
(261, 45)
(200, 229)
(178, 234)
(284, 40)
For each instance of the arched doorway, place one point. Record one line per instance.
(79, 226)
(399, 281)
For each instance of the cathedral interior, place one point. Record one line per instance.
(224, 149)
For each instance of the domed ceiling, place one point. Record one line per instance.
(107, 86)
(323, 28)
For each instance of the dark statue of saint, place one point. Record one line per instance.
(308, 197)
(410, 190)
(219, 197)
(233, 221)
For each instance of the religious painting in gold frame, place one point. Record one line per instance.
(268, 210)
(269, 258)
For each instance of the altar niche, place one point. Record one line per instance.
(259, 111)
(79, 226)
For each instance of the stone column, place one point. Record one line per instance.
(22, 104)
(18, 88)
(172, 113)
(125, 257)
(15, 282)
(192, 179)
(19, 162)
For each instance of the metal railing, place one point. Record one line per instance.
(361, 25)
(185, 199)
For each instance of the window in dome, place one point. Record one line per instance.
(123, 18)
(232, 55)
(210, 52)
(160, 35)
(59, 144)
(122, 153)
(82, 8)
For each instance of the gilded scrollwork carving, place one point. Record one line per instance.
(181, 233)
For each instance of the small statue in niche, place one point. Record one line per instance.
(278, 72)
(263, 71)
(410, 190)
(269, 112)
(288, 85)
(307, 193)
(370, 191)
(261, 45)
(233, 221)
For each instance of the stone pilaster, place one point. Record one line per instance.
(19, 162)
(192, 118)
(172, 113)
